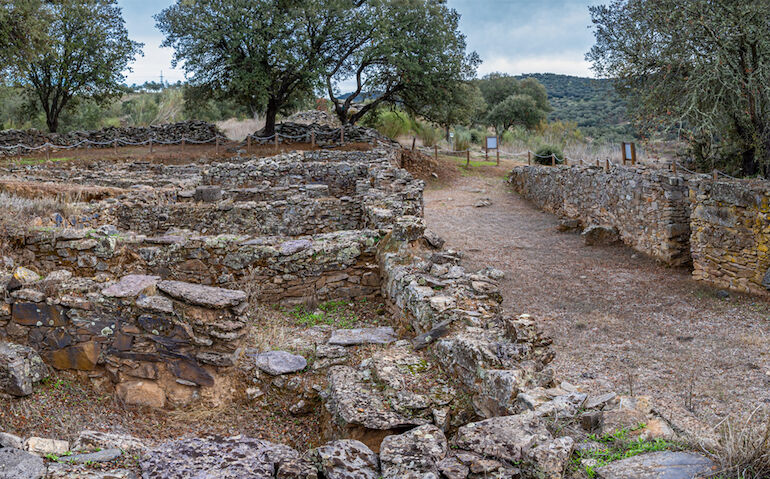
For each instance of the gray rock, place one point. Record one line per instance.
(105, 455)
(481, 203)
(295, 246)
(130, 286)
(17, 464)
(345, 459)
(73, 471)
(208, 193)
(11, 440)
(352, 337)
(511, 440)
(659, 465)
(280, 362)
(160, 304)
(207, 296)
(568, 224)
(433, 239)
(20, 368)
(413, 454)
(235, 457)
(105, 440)
(597, 235)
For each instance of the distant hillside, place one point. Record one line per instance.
(591, 103)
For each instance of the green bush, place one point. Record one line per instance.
(394, 124)
(477, 136)
(543, 154)
(462, 140)
(428, 134)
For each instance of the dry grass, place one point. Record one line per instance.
(238, 130)
(17, 210)
(743, 448)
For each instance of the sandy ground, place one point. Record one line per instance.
(619, 320)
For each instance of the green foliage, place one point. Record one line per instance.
(427, 133)
(393, 123)
(371, 48)
(699, 67)
(618, 446)
(543, 154)
(265, 54)
(519, 109)
(462, 140)
(513, 102)
(333, 313)
(83, 53)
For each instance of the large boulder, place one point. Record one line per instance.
(235, 457)
(521, 439)
(280, 362)
(345, 459)
(414, 454)
(17, 464)
(20, 368)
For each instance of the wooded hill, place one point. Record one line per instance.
(591, 103)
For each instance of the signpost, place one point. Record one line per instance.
(491, 144)
(629, 152)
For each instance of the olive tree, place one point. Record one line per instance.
(81, 51)
(702, 66)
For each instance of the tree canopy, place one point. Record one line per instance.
(82, 53)
(263, 53)
(511, 101)
(400, 52)
(699, 66)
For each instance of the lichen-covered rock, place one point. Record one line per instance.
(131, 285)
(414, 454)
(346, 459)
(659, 465)
(280, 362)
(512, 440)
(206, 296)
(20, 369)
(105, 440)
(352, 337)
(216, 458)
(17, 464)
(600, 235)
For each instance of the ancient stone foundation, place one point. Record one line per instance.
(720, 227)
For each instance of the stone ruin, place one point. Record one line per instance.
(149, 289)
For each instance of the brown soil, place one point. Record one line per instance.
(620, 321)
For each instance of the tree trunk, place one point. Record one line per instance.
(749, 162)
(52, 121)
(446, 133)
(270, 114)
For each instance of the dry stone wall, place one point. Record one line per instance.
(731, 233)
(722, 227)
(648, 207)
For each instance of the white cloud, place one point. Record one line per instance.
(149, 67)
(568, 65)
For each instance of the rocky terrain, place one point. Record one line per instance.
(153, 294)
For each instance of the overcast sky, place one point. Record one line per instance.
(511, 36)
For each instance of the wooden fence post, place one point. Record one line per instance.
(498, 156)
(248, 144)
(115, 146)
(276, 141)
(216, 147)
(467, 158)
(183, 144)
(312, 139)
(607, 165)
(529, 158)
(597, 162)
(553, 159)
(715, 175)
(150, 145)
(414, 141)
(673, 166)
(435, 152)
(48, 153)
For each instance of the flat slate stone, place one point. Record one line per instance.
(207, 296)
(104, 455)
(295, 246)
(658, 465)
(130, 285)
(280, 362)
(17, 464)
(352, 337)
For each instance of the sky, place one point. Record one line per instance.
(510, 36)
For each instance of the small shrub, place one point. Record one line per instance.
(477, 136)
(428, 134)
(543, 154)
(462, 140)
(394, 124)
(743, 447)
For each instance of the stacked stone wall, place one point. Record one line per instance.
(649, 208)
(731, 233)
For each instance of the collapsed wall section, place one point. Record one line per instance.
(649, 208)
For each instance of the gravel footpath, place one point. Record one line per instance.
(619, 320)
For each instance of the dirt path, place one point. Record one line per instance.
(619, 320)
